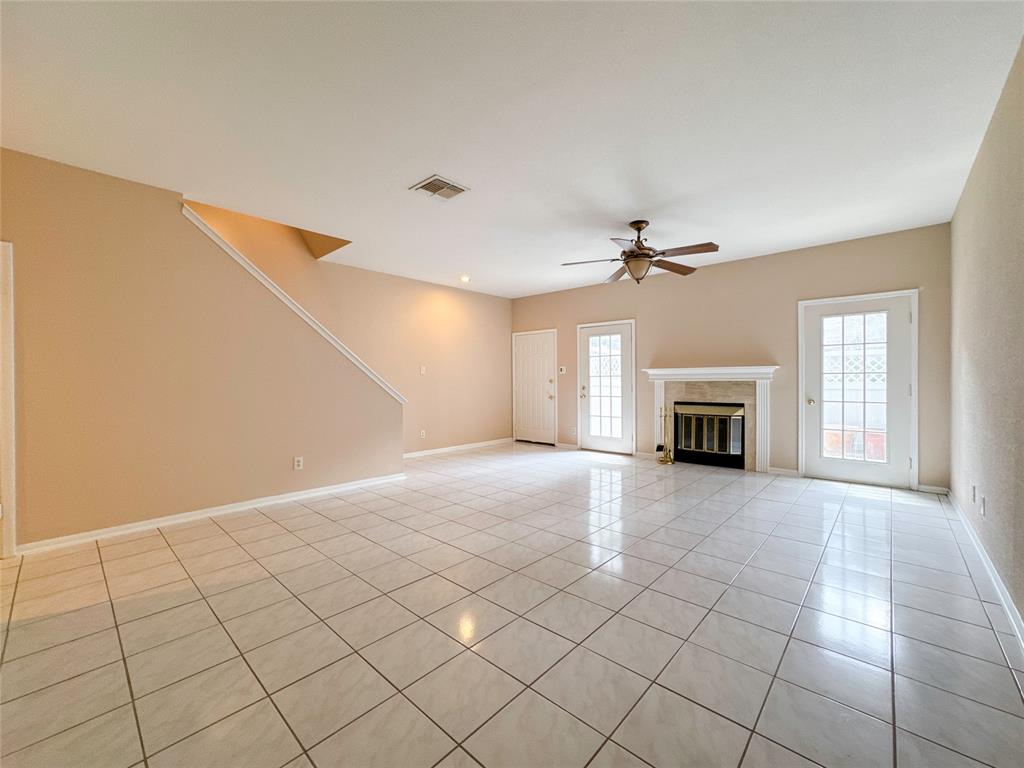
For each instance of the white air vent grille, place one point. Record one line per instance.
(437, 186)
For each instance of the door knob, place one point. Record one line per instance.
(810, 401)
(551, 397)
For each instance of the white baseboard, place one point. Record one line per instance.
(1004, 594)
(184, 517)
(783, 472)
(571, 446)
(453, 448)
(933, 489)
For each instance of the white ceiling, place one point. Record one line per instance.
(763, 127)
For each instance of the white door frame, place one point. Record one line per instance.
(7, 435)
(579, 376)
(554, 440)
(801, 396)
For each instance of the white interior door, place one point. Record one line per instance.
(607, 391)
(858, 403)
(533, 386)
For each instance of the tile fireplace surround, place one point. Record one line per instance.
(759, 375)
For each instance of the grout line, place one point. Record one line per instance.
(892, 646)
(124, 663)
(789, 638)
(244, 661)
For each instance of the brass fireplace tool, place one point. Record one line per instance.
(666, 443)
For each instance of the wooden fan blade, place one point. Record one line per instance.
(592, 261)
(616, 275)
(671, 266)
(685, 250)
(626, 245)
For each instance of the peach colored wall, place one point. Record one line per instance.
(744, 313)
(988, 338)
(396, 325)
(154, 375)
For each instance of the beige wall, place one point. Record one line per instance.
(154, 375)
(988, 338)
(397, 325)
(744, 313)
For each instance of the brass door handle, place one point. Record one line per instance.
(810, 401)
(551, 397)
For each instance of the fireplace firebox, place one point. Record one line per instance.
(709, 433)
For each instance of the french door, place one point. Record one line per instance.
(533, 386)
(858, 363)
(606, 396)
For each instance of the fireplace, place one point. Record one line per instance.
(709, 433)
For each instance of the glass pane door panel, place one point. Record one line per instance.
(854, 349)
(605, 385)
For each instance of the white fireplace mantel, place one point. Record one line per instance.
(760, 374)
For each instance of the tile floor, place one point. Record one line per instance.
(521, 606)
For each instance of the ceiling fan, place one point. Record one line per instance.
(637, 257)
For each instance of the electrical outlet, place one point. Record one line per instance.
(561, 370)
(423, 434)
(974, 494)
(982, 506)
(572, 431)
(423, 370)
(297, 462)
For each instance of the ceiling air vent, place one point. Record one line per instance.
(438, 186)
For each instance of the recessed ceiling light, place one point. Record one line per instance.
(464, 278)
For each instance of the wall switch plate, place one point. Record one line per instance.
(423, 434)
(423, 370)
(297, 462)
(561, 370)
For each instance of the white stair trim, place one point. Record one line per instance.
(293, 305)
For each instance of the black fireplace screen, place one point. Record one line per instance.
(709, 433)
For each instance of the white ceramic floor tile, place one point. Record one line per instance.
(410, 653)
(533, 731)
(667, 730)
(824, 730)
(255, 737)
(719, 683)
(371, 740)
(524, 649)
(318, 705)
(570, 616)
(462, 693)
(628, 557)
(636, 646)
(596, 690)
(978, 731)
(285, 660)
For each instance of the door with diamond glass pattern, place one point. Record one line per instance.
(606, 387)
(857, 390)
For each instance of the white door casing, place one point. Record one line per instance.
(858, 388)
(534, 388)
(606, 390)
(7, 435)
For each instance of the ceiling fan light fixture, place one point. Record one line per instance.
(638, 268)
